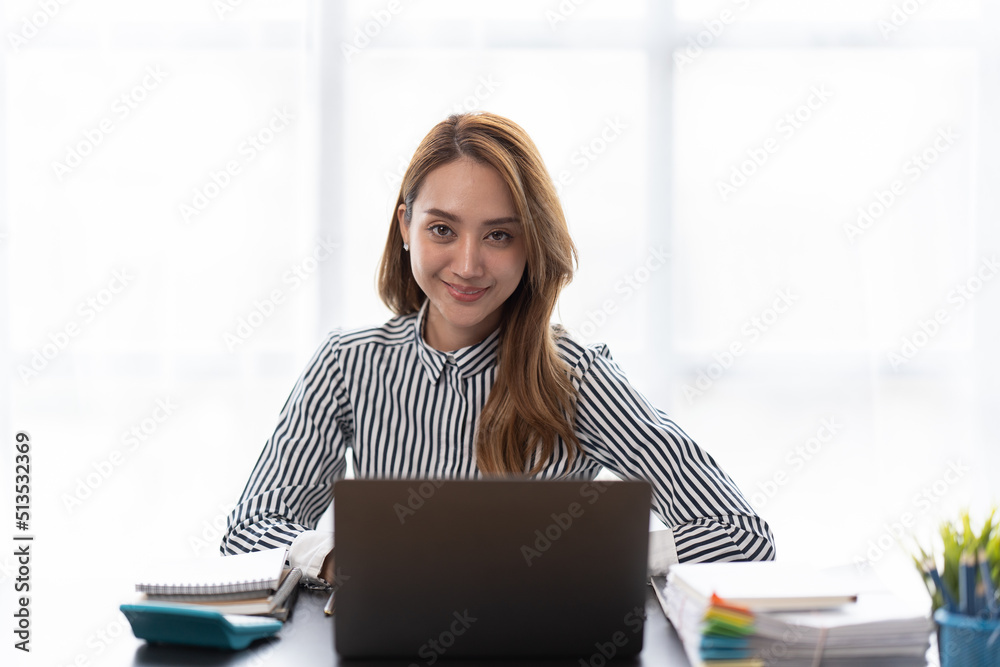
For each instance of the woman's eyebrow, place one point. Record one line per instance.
(451, 217)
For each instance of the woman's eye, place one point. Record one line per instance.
(440, 230)
(498, 235)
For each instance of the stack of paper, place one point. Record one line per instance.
(774, 614)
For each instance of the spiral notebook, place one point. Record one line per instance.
(251, 575)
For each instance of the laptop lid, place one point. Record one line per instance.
(484, 568)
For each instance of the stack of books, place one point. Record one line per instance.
(252, 584)
(760, 614)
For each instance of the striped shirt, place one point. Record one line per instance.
(408, 410)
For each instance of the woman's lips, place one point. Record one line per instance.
(465, 293)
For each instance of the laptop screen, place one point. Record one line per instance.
(478, 568)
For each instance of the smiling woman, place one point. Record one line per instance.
(470, 378)
(486, 169)
(467, 252)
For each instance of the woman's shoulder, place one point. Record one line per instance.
(575, 354)
(397, 331)
(346, 353)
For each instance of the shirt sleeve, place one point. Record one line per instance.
(705, 511)
(292, 483)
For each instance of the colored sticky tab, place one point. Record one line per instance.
(716, 601)
(725, 615)
(725, 629)
(727, 659)
(731, 643)
(727, 620)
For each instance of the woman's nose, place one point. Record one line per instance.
(469, 262)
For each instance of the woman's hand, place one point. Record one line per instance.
(326, 573)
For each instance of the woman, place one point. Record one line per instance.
(469, 379)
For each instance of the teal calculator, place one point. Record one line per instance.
(185, 624)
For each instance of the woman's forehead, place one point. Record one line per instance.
(463, 188)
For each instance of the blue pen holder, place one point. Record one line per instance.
(964, 641)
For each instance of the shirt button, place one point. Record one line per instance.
(451, 358)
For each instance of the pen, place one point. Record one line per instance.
(328, 609)
(991, 592)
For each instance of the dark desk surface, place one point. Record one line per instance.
(307, 639)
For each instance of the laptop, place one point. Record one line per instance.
(432, 569)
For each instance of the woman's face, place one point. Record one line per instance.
(466, 251)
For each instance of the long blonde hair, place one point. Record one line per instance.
(532, 402)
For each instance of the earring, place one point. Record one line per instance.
(406, 247)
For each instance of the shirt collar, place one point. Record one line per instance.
(470, 360)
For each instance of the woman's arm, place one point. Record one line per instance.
(292, 483)
(705, 511)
